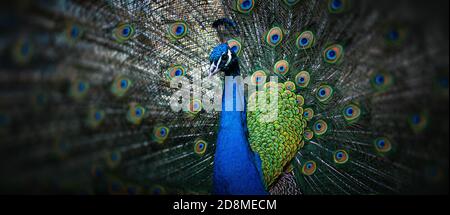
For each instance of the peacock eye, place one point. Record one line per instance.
(308, 114)
(113, 159)
(300, 100)
(308, 134)
(303, 78)
(341, 157)
(175, 71)
(324, 93)
(305, 40)
(274, 37)
(244, 6)
(73, 32)
(95, 117)
(79, 89)
(381, 81)
(333, 54)
(418, 122)
(123, 83)
(98, 116)
(352, 113)
(194, 107)
(259, 78)
(290, 86)
(135, 114)
(382, 145)
(338, 6)
(123, 32)
(281, 67)
(309, 168)
(320, 127)
(200, 147)
(178, 30)
(160, 134)
(120, 86)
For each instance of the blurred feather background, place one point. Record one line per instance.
(84, 93)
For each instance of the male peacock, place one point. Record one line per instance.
(87, 97)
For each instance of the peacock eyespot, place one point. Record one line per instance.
(160, 134)
(281, 67)
(383, 145)
(200, 147)
(308, 134)
(338, 6)
(308, 113)
(306, 40)
(175, 71)
(320, 127)
(95, 117)
(333, 54)
(194, 107)
(418, 122)
(123, 32)
(245, 6)
(352, 113)
(381, 81)
(178, 30)
(123, 84)
(113, 159)
(98, 116)
(135, 114)
(259, 78)
(79, 89)
(120, 86)
(138, 112)
(324, 93)
(290, 86)
(22, 51)
(340, 157)
(274, 37)
(302, 79)
(309, 168)
(300, 100)
(395, 35)
(73, 32)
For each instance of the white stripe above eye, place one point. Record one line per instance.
(229, 58)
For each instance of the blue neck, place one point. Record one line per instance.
(237, 169)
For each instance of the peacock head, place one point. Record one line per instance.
(222, 58)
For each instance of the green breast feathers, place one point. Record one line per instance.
(275, 128)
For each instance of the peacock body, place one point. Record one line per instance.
(116, 97)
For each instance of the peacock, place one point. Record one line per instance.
(224, 97)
